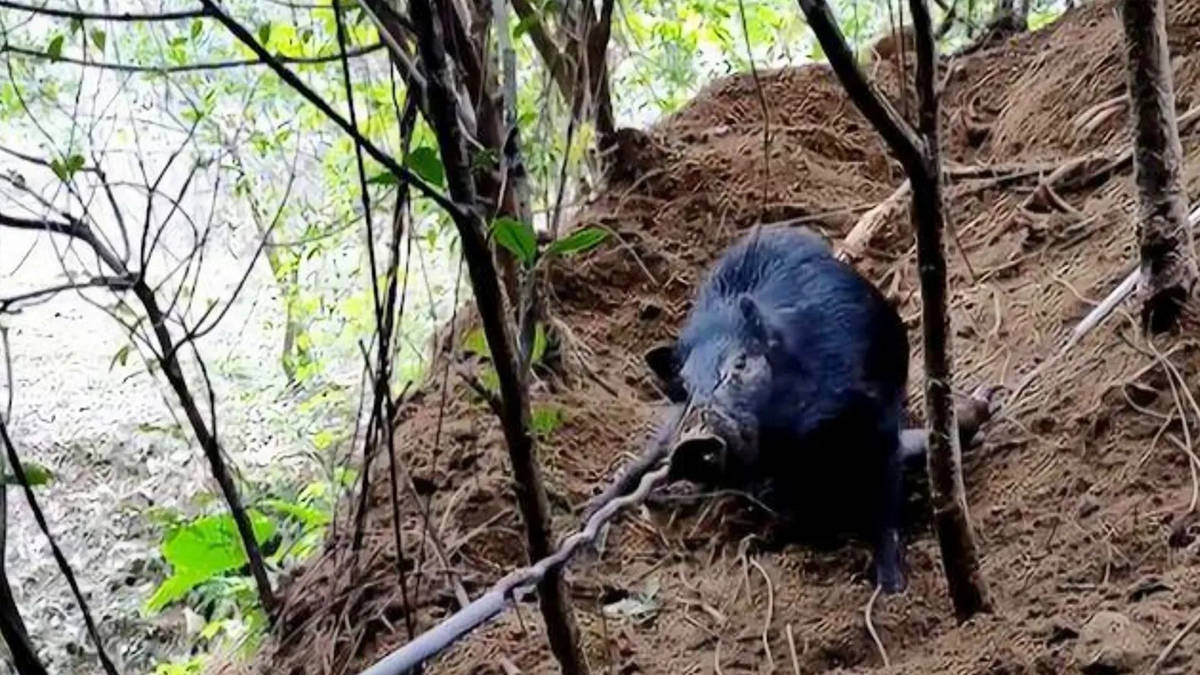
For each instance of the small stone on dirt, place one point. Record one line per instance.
(461, 431)
(650, 311)
(1111, 643)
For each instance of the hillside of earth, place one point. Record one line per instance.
(1082, 493)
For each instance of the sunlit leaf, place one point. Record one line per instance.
(539, 343)
(197, 28)
(54, 49)
(307, 516)
(578, 242)
(323, 439)
(264, 33)
(476, 343)
(35, 474)
(545, 420)
(517, 237)
(426, 163)
(202, 550)
(120, 357)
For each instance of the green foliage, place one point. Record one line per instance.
(121, 357)
(519, 238)
(475, 343)
(577, 242)
(192, 666)
(202, 550)
(54, 49)
(36, 474)
(66, 168)
(538, 350)
(427, 163)
(546, 420)
(99, 38)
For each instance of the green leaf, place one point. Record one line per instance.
(489, 379)
(323, 439)
(307, 516)
(545, 420)
(539, 343)
(264, 33)
(120, 357)
(384, 178)
(99, 38)
(426, 163)
(476, 343)
(517, 237)
(76, 25)
(578, 242)
(55, 47)
(36, 475)
(197, 28)
(524, 25)
(67, 168)
(202, 550)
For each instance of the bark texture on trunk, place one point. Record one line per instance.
(1168, 258)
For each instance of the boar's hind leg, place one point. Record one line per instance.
(889, 554)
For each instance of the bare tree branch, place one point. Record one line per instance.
(12, 629)
(172, 369)
(897, 133)
(104, 16)
(186, 67)
(121, 283)
(531, 495)
(402, 173)
(960, 559)
(19, 471)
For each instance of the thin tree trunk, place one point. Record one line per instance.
(208, 444)
(515, 413)
(12, 628)
(919, 154)
(1168, 258)
(968, 591)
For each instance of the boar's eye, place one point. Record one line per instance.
(739, 362)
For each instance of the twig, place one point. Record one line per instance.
(1093, 319)
(1166, 652)
(868, 223)
(187, 67)
(502, 594)
(871, 627)
(19, 471)
(766, 642)
(239, 31)
(792, 650)
(104, 16)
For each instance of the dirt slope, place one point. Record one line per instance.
(1075, 498)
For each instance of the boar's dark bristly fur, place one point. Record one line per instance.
(796, 369)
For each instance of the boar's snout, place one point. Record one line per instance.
(706, 441)
(699, 458)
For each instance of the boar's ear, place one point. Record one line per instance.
(760, 333)
(663, 361)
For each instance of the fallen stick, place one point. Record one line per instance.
(502, 594)
(972, 415)
(1093, 319)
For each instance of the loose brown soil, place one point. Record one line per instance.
(1076, 496)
